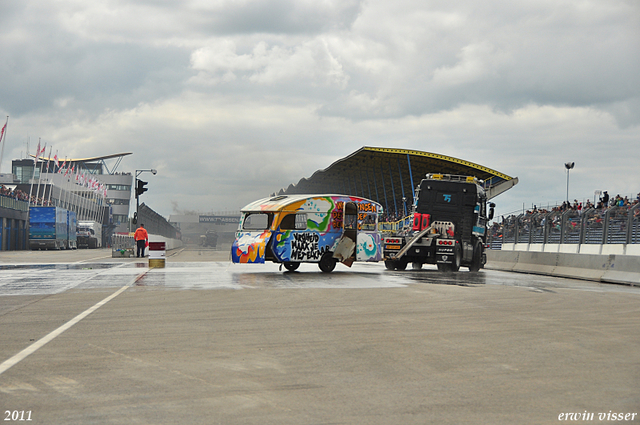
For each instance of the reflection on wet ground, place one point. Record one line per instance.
(45, 279)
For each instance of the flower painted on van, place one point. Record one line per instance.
(318, 213)
(367, 247)
(250, 247)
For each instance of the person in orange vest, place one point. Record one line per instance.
(142, 238)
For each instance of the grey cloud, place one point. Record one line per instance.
(279, 17)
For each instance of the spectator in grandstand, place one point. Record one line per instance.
(605, 199)
(142, 238)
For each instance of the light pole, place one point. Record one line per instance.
(140, 189)
(568, 166)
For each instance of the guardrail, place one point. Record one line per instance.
(13, 203)
(615, 225)
(394, 226)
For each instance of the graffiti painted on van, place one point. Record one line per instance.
(302, 228)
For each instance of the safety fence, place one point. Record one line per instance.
(395, 226)
(615, 225)
(155, 223)
(122, 245)
(13, 203)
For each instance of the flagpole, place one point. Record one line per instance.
(3, 136)
(95, 204)
(65, 201)
(52, 174)
(48, 179)
(85, 205)
(40, 176)
(33, 176)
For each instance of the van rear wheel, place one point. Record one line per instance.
(327, 262)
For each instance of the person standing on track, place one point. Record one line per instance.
(142, 238)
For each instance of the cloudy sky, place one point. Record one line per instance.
(231, 100)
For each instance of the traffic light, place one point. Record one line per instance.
(140, 189)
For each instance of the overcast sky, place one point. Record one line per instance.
(233, 100)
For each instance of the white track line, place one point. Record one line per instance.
(48, 338)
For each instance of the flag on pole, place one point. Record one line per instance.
(35, 159)
(2, 132)
(3, 135)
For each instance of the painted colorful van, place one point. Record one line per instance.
(296, 229)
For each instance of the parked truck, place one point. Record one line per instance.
(89, 234)
(449, 226)
(48, 228)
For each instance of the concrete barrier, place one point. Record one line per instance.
(623, 269)
(169, 243)
(610, 268)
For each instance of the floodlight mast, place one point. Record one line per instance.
(568, 166)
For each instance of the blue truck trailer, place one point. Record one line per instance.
(48, 228)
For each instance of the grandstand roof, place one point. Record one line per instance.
(92, 163)
(390, 174)
(91, 159)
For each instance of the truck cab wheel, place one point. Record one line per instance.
(416, 266)
(476, 262)
(457, 258)
(390, 264)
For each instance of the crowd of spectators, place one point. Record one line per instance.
(390, 217)
(536, 218)
(18, 194)
(604, 202)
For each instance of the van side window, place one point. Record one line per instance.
(294, 222)
(368, 221)
(301, 222)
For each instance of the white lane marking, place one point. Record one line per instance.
(51, 336)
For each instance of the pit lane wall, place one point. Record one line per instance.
(602, 263)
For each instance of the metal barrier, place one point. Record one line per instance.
(395, 226)
(13, 203)
(122, 246)
(615, 225)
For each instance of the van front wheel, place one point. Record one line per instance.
(291, 266)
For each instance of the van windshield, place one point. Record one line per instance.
(257, 221)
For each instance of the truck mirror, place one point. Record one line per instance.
(491, 210)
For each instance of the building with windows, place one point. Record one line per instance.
(87, 186)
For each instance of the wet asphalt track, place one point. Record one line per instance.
(205, 341)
